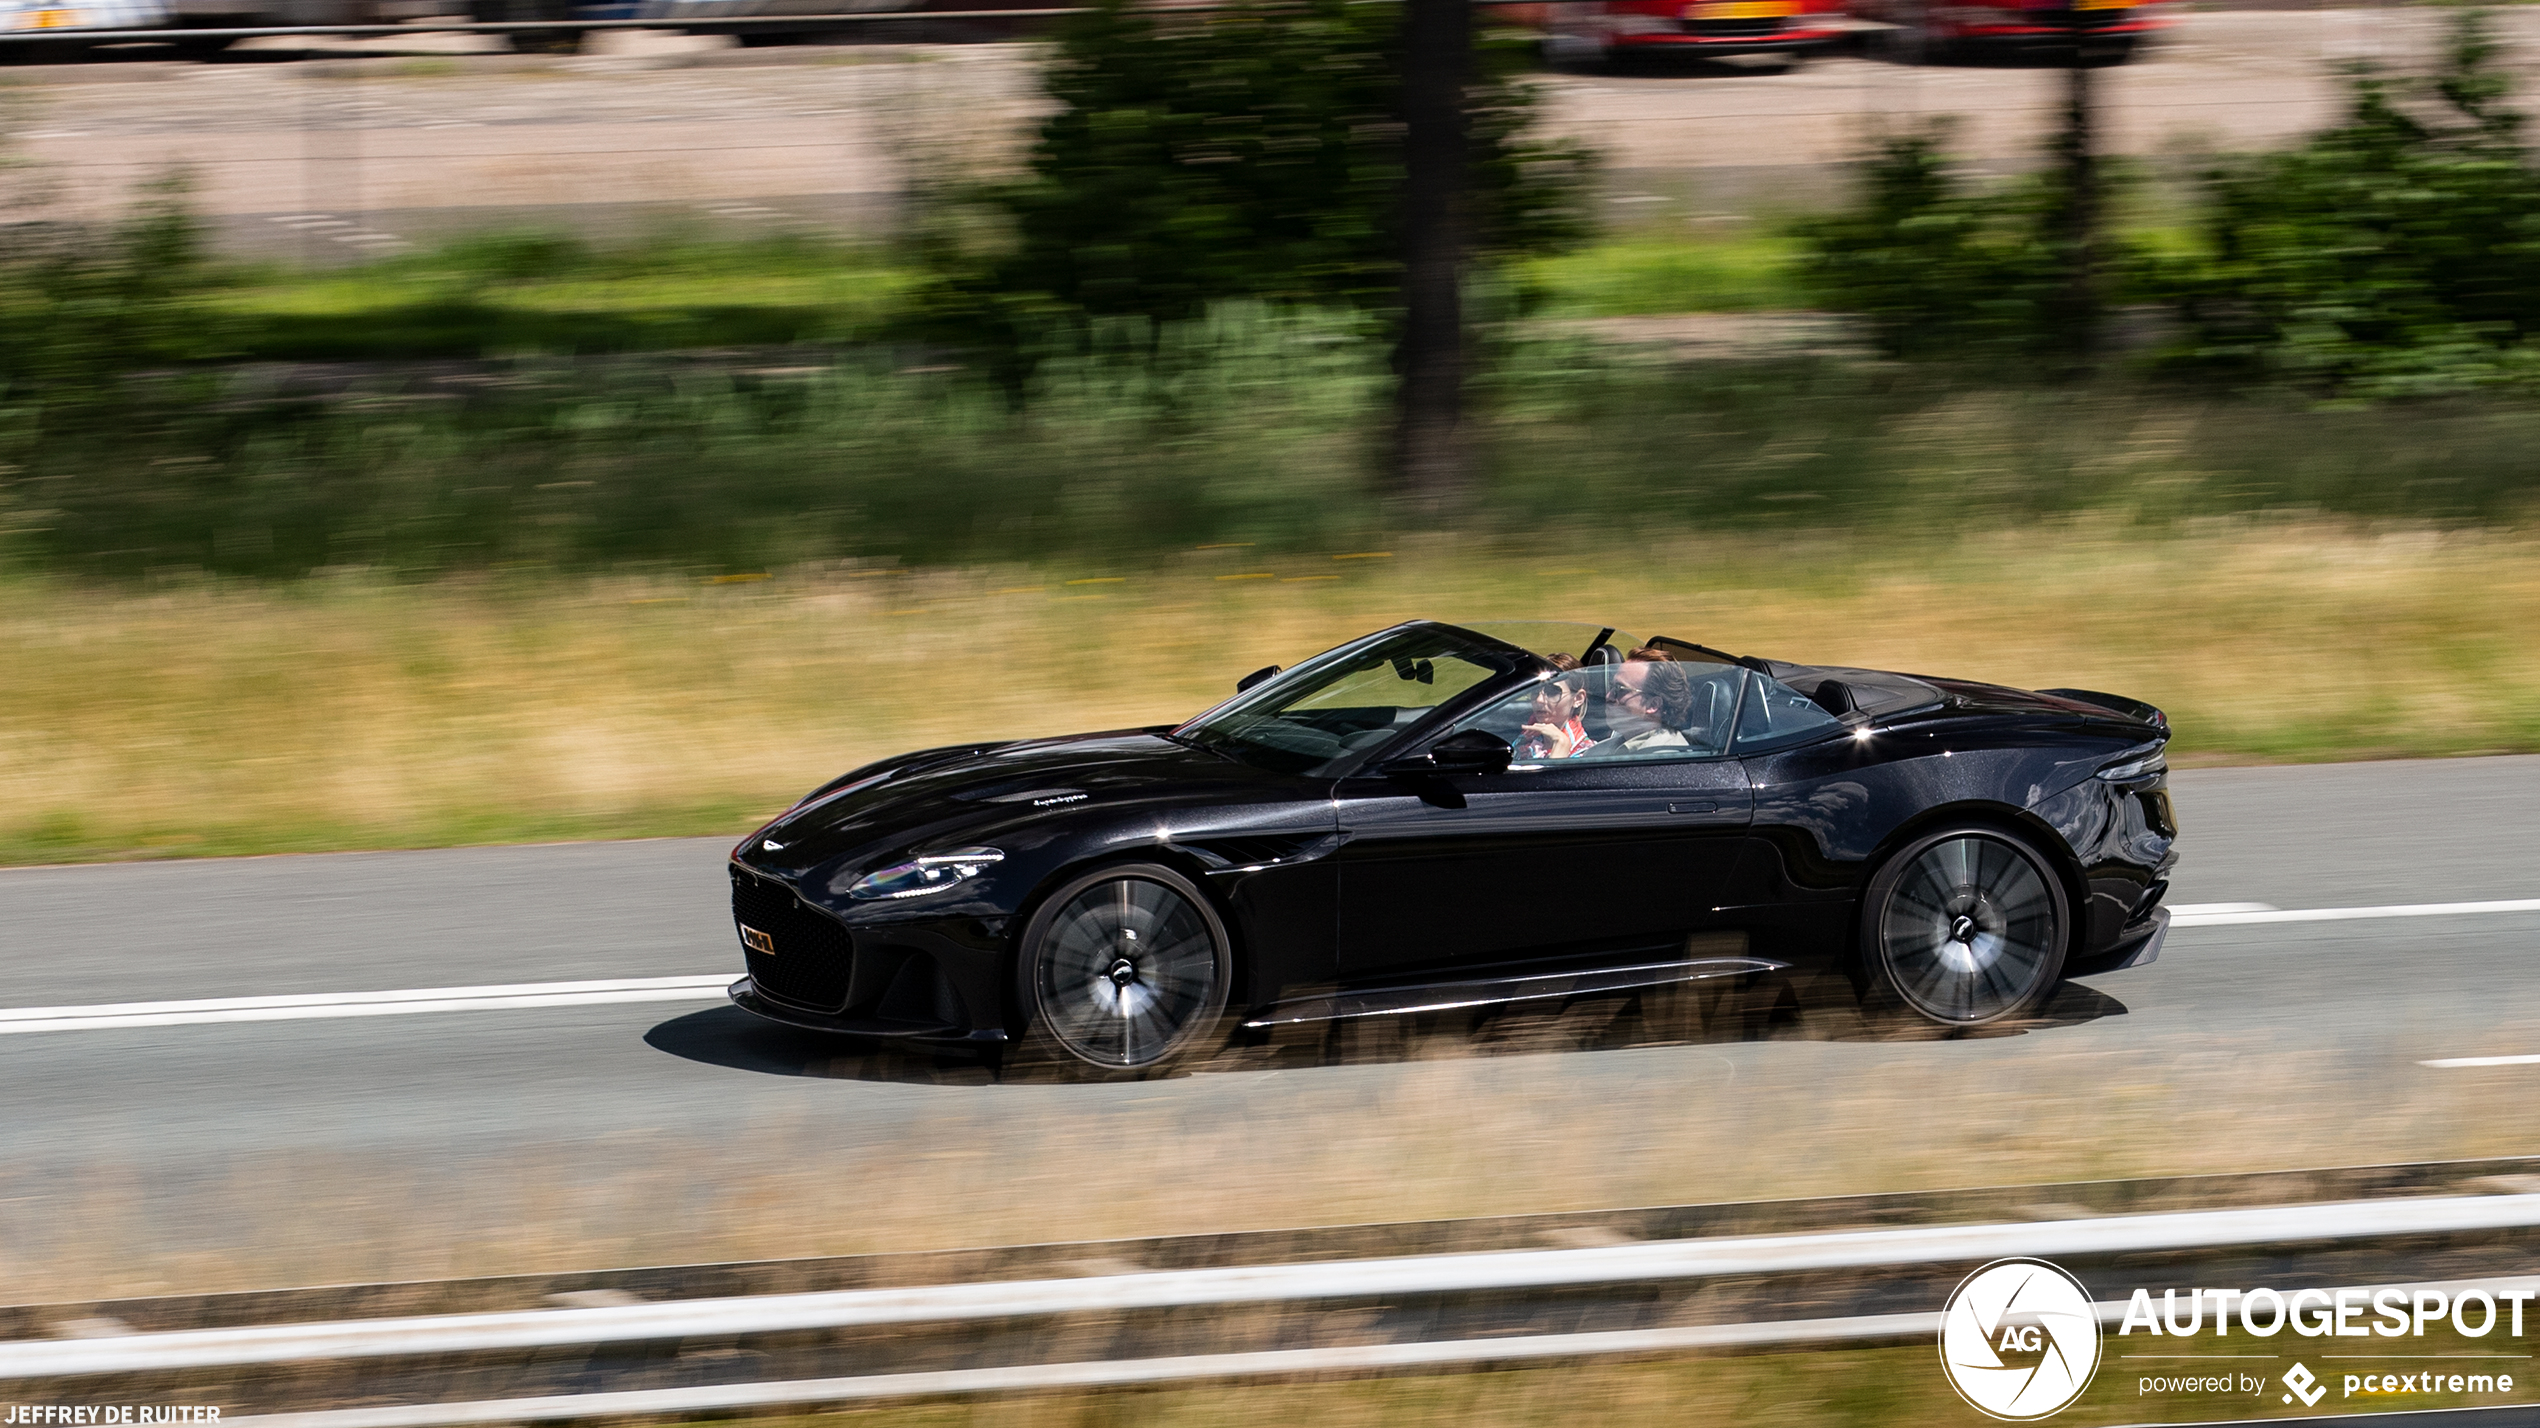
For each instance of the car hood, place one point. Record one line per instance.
(951, 797)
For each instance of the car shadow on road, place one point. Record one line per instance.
(1767, 1009)
(730, 1037)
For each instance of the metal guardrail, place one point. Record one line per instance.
(715, 23)
(1356, 1358)
(1496, 1272)
(518, 27)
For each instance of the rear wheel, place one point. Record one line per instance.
(1124, 972)
(1965, 926)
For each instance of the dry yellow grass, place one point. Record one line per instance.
(358, 712)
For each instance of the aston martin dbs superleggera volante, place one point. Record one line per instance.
(1439, 816)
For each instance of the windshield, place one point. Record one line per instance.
(1554, 637)
(1338, 705)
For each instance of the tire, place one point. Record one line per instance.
(530, 42)
(1911, 41)
(1123, 973)
(1964, 927)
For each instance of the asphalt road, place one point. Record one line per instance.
(177, 1135)
(348, 158)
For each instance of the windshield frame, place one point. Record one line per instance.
(1522, 667)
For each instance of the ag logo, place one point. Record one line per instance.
(2019, 1339)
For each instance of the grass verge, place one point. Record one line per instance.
(1739, 269)
(515, 293)
(198, 716)
(1897, 1386)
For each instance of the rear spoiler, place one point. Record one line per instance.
(2131, 708)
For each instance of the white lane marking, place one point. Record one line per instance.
(2195, 915)
(319, 1005)
(2451, 1063)
(312, 1005)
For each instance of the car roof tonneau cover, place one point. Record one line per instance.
(1875, 693)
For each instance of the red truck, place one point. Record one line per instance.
(1593, 31)
(2109, 30)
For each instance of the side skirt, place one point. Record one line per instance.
(1492, 991)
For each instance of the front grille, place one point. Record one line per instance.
(2090, 19)
(813, 956)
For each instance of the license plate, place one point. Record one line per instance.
(757, 941)
(2103, 4)
(1742, 10)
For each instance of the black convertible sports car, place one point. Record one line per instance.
(1440, 815)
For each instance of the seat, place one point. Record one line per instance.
(1835, 697)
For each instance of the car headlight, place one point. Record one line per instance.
(930, 873)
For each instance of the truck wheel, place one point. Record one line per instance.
(547, 42)
(530, 42)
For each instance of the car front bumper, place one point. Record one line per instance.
(746, 995)
(1782, 43)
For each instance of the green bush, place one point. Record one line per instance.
(1939, 269)
(2394, 254)
(80, 308)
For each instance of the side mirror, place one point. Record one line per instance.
(1258, 675)
(1475, 751)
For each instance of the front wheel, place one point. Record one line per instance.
(1965, 926)
(1124, 972)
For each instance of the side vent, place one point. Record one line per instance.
(1261, 850)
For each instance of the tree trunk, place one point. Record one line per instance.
(1428, 470)
(2081, 198)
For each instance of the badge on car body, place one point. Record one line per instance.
(757, 941)
(770, 845)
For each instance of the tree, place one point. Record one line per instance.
(1428, 466)
(1263, 151)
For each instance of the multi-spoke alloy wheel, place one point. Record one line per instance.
(1126, 969)
(1965, 926)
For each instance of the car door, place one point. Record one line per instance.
(1620, 853)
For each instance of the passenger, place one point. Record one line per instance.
(1556, 729)
(1653, 700)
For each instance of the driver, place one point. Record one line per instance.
(1651, 706)
(1556, 728)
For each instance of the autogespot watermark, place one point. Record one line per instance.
(2020, 1339)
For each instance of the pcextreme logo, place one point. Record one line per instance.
(2019, 1339)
